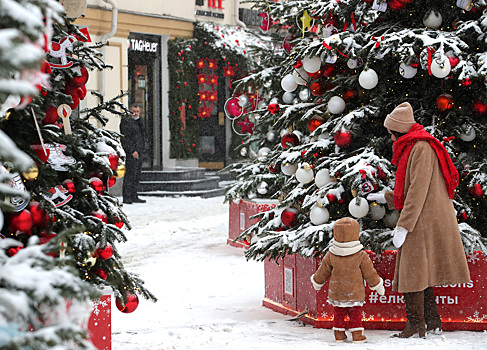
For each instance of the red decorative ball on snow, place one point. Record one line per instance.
(343, 138)
(104, 253)
(81, 80)
(476, 190)
(96, 184)
(39, 215)
(289, 216)
(51, 116)
(274, 168)
(445, 102)
(331, 197)
(273, 108)
(315, 122)
(479, 108)
(130, 305)
(68, 184)
(113, 159)
(101, 273)
(21, 221)
(291, 139)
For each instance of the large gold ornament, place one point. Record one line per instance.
(120, 171)
(31, 173)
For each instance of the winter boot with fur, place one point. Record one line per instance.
(340, 336)
(358, 337)
(415, 312)
(431, 316)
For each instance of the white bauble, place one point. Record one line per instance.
(336, 105)
(406, 71)
(469, 134)
(288, 83)
(323, 178)
(376, 211)
(243, 100)
(432, 19)
(289, 168)
(288, 97)
(243, 151)
(311, 64)
(368, 79)
(304, 174)
(358, 207)
(440, 67)
(304, 95)
(262, 188)
(263, 152)
(390, 220)
(262, 104)
(300, 76)
(319, 215)
(90, 261)
(271, 136)
(353, 63)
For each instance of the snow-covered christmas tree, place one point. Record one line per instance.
(60, 226)
(349, 64)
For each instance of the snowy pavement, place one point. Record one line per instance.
(210, 297)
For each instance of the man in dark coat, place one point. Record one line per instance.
(133, 142)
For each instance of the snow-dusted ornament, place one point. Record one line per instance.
(328, 30)
(376, 211)
(244, 152)
(304, 95)
(288, 97)
(263, 152)
(353, 63)
(319, 214)
(288, 83)
(368, 79)
(262, 104)
(271, 136)
(390, 220)
(304, 174)
(323, 178)
(60, 49)
(311, 64)
(407, 71)
(358, 207)
(289, 168)
(243, 100)
(262, 188)
(465, 4)
(432, 19)
(469, 134)
(336, 105)
(74, 8)
(232, 108)
(300, 76)
(440, 66)
(266, 21)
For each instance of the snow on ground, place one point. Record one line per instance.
(210, 297)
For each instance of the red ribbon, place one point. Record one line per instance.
(429, 60)
(377, 44)
(447, 139)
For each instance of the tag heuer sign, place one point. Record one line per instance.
(143, 45)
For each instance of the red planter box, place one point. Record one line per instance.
(239, 213)
(100, 322)
(288, 290)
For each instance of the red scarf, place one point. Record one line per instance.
(400, 155)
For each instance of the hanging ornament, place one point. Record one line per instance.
(113, 160)
(406, 71)
(300, 76)
(262, 188)
(117, 222)
(18, 202)
(353, 63)
(311, 64)
(100, 215)
(343, 138)
(59, 50)
(465, 4)
(59, 195)
(376, 211)
(336, 105)
(89, 261)
(329, 70)
(469, 134)
(440, 67)
(288, 83)
(288, 97)
(445, 102)
(68, 184)
(349, 95)
(304, 174)
(289, 216)
(271, 136)
(51, 116)
(316, 89)
(20, 222)
(274, 168)
(262, 105)
(243, 151)
(476, 190)
(291, 139)
(266, 21)
(479, 108)
(82, 79)
(31, 174)
(315, 122)
(263, 152)
(289, 168)
(391, 218)
(74, 8)
(120, 172)
(101, 273)
(273, 107)
(104, 253)
(232, 108)
(323, 178)
(358, 207)
(319, 214)
(432, 19)
(131, 304)
(246, 126)
(40, 218)
(368, 79)
(57, 159)
(96, 184)
(331, 197)
(304, 95)
(395, 5)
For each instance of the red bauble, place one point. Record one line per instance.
(21, 221)
(39, 215)
(273, 108)
(101, 273)
(81, 80)
(445, 102)
(111, 181)
(289, 216)
(289, 138)
(100, 215)
(381, 174)
(104, 253)
(82, 92)
(96, 184)
(113, 159)
(274, 168)
(68, 184)
(51, 116)
(315, 122)
(349, 94)
(463, 215)
(331, 197)
(12, 251)
(479, 108)
(476, 190)
(453, 61)
(316, 89)
(343, 138)
(130, 305)
(74, 93)
(395, 5)
(329, 70)
(118, 222)
(466, 82)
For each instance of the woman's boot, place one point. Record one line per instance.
(340, 336)
(431, 316)
(358, 337)
(415, 313)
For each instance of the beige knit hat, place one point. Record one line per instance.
(346, 230)
(401, 118)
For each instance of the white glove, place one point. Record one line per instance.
(316, 285)
(399, 236)
(379, 288)
(377, 197)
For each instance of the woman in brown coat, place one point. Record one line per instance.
(430, 250)
(347, 265)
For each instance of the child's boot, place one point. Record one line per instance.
(340, 336)
(358, 337)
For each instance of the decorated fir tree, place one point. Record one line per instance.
(350, 64)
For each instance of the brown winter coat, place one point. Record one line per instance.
(432, 253)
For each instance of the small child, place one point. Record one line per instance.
(347, 266)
